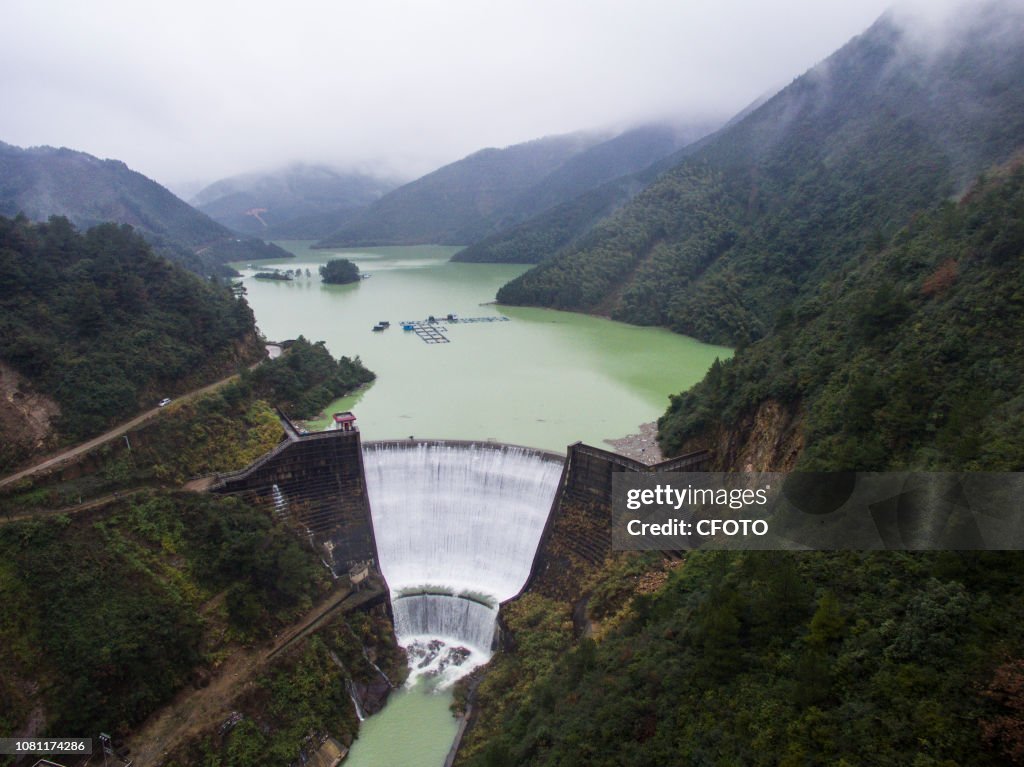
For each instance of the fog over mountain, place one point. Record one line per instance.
(44, 181)
(187, 93)
(892, 122)
(296, 202)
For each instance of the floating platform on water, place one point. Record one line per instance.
(433, 329)
(429, 332)
(491, 318)
(432, 334)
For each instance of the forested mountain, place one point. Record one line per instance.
(190, 582)
(765, 659)
(453, 205)
(891, 317)
(775, 203)
(42, 182)
(911, 359)
(305, 202)
(626, 153)
(495, 189)
(541, 236)
(577, 195)
(95, 326)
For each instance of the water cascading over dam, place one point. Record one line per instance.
(457, 528)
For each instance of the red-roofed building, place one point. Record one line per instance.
(345, 422)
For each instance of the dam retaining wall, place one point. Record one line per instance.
(578, 533)
(315, 483)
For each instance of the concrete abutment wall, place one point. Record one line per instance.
(320, 490)
(579, 526)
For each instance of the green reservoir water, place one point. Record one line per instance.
(545, 379)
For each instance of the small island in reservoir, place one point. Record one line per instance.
(273, 276)
(340, 271)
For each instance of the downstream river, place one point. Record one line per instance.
(542, 379)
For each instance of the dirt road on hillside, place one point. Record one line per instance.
(120, 431)
(194, 710)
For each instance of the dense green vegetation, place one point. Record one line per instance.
(221, 431)
(43, 182)
(281, 276)
(543, 633)
(303, 695)
(162, 589)
(300, 697)
(775, 659)
(339, 271)
(105, 327)
(104, 609)
(768, 209)
(306, 379)
(110, 612)
(911, 359)
(291, 705)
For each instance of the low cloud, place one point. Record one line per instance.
(182, 91)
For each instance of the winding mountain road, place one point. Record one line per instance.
(119, 431)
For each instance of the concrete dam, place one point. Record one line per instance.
(454, 527)
(457, 527)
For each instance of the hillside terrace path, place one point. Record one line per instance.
(120, 431)
(194, 711)
(94, 503)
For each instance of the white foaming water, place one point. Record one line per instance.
(280, 502)
(360, 714)
(436, 615)
(451, 520)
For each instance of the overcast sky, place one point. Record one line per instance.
(189, 91)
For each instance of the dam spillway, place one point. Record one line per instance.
(457, 527)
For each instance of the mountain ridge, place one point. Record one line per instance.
(299, 201)
(452, 205)
(491, 191)
(564, 206)
(47, 181)
(841, 156)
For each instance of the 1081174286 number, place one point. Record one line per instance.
(16, 746)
